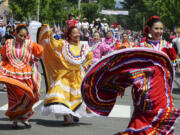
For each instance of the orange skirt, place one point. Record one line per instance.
(21, 98)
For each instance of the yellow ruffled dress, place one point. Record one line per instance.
(64, 65)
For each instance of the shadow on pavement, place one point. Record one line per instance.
(9, 127)
(176, 91)
(177, 74)
(4, 119)
(55, 123)
(46, 123)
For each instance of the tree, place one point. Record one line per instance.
(107, 4)
(141, 10)
(89, 10)
(169, 13)
(45, 11)
(23, 9)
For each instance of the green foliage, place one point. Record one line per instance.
(170, 13)
(57, 11)
(141, 10)
(89, 10)
(23, 9)
(107, 4)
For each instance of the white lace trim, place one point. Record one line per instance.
(70, 59)
(66, 88)
(60, 110)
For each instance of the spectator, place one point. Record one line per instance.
(78, 24)
(85, 23)
(71, 21)
(125, 42)
(85, 35)
(105, 26)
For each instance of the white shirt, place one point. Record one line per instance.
(85, 25)
(177, 42)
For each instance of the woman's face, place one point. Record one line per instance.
(96, 37)
(75, 35)
(125, 37)
(109, 35)
(156, 31)
(21, 36)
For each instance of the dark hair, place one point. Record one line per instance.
(69, 31)
(71, 15)
(38, 31)
(150, 23)
(152, 20)
(8, 36)
(109, 31)
(19, 28)
(8, 26)
(166, 36)
(124, 33)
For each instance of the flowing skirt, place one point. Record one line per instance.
(19, 102)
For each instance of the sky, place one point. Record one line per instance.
(118, 4)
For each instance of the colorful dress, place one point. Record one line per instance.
(127, 44)
(161, 45)
(22, 81)
(151, 74)
(112, 42)
(64, 64)
(99, 50)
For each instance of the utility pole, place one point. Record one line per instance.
(37, 11)
(79, 5)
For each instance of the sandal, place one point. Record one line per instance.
(14, 125)
(75, 119)
(27, 124)
(68, 119)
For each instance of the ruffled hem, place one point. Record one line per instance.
(8, 70)
(60, 110)
(162, 124)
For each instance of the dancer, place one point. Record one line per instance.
(110, 40)
(21, 79)
(98, 48)
(64, 64)
(153, 33)
(125, 42)
(150, 73)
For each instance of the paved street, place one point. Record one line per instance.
(47, 125)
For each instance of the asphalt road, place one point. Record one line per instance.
(47, 125)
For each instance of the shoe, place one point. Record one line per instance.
(14, 125)
(68, 120)
(75, 119)
(27, 124)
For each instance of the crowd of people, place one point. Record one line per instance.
(68, 56)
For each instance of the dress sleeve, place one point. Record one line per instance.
(106, 48)
(56, 43)
(3, 53)
(37, 50)
(170, 51)
(118, 46)
(89, 58)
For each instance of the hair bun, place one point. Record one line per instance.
(152, 18)
(19, 25)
